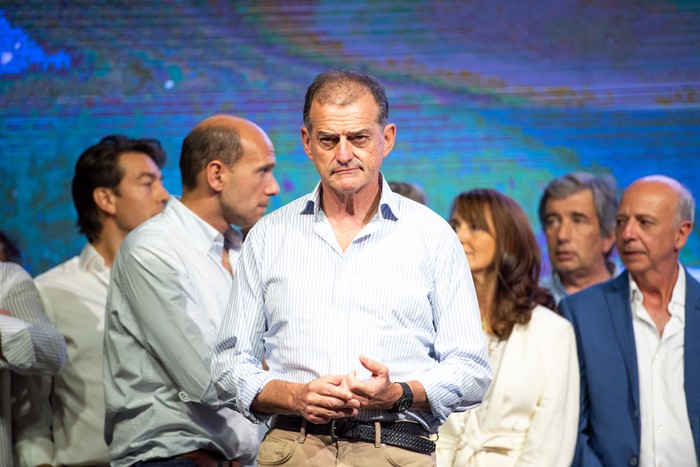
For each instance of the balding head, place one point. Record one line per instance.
(683, 199)
(220, 137)
(654, 220)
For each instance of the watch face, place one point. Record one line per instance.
(404, 404)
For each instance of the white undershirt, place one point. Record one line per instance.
(667, 440)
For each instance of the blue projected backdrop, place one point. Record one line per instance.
(485, 94)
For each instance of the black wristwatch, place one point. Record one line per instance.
(405, 401)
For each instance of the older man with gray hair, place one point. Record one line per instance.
(637, 338)
(577, 212)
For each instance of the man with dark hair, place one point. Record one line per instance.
(117, 185)
(638, 339)
(577, 212)
(359, 300)
(170, 284)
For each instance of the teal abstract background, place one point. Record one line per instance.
(502, 94)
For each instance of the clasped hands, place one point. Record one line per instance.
(337, 396)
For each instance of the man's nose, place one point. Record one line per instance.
(162, 194)
(564, 231)
(273, 187)
(344, 151)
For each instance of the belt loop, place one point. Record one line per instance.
(377, 434)
(302, 433)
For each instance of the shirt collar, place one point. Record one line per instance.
(388, 202)
(91, 260)
(557, 289)
(202, 233)
(677, 304)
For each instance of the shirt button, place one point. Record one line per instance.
(633, 461)
(183, 397)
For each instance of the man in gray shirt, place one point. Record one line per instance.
(167, 295)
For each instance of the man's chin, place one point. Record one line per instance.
(565, 268)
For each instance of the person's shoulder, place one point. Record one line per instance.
(597, 291)
(549, 329)
(67, 268)
(304, 205)
(692, 276)
(421, 219)
(414, 210)
(155, 232)
(10, 271)
(544, 317)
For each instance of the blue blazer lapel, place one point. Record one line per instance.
(691, 356)
(618, 300)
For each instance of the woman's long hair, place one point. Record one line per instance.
(517, 260)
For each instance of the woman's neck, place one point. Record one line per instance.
(485, 284)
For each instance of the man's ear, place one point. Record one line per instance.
(306, 142)
(682, 234)
(608, 244)
(389, 136)
(105, 199)
(215, 174)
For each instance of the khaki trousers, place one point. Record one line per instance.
(281, 447)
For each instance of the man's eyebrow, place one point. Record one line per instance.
(358, 132)
(579, 214)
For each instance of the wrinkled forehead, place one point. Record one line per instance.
(343, 96)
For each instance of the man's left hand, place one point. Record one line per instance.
(378, 392)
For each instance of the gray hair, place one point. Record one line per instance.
(603, 188)
(685, 210)
(686, 205)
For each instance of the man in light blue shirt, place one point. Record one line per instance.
(359, 300)
(167, 294)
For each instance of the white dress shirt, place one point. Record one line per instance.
(667, 440)
(74, 295)
(401, 294)
(28, 344)
(167, 295)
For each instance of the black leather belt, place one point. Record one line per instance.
(407, 435)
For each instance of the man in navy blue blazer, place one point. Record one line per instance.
(638, 339)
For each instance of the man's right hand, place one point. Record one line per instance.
(325, 399)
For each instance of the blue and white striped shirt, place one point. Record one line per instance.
(28, 344)
(401, 294)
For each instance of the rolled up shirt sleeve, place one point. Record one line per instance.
(462, 375)
(237, 368)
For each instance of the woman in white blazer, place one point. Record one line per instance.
(529, 416)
